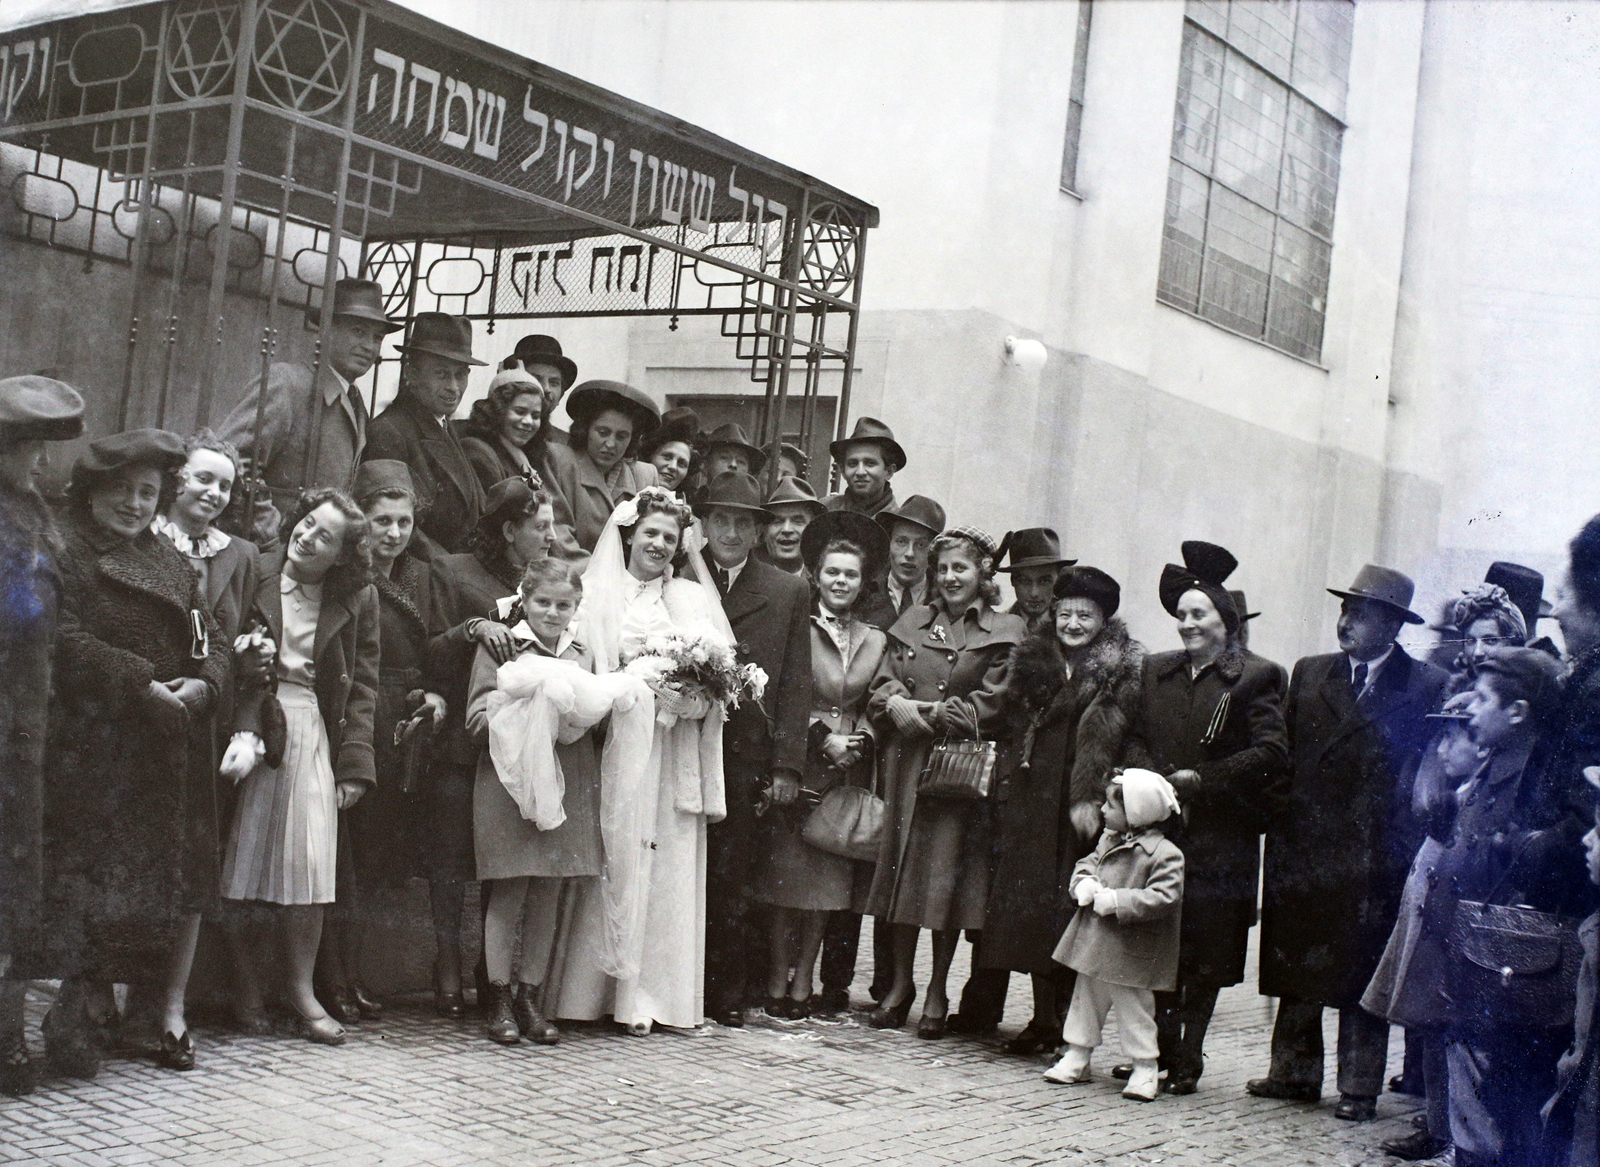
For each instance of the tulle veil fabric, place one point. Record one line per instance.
(684, 757)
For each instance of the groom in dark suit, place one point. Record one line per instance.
(763, 746)
(1338, 852)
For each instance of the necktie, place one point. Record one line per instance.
(357, 404)
(720, 574)
(1358, 681)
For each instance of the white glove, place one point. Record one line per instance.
(1086, 889)
(245, 749)
(1105, 902)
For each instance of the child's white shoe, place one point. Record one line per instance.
(1144, 1082)
(1073, 1066)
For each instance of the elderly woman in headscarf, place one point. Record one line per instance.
(933, 863)
(1212, 722)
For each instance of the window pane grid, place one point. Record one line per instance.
(1255, 172)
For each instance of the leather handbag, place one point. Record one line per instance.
(958, 769)
(847, 822)
(1512, 966)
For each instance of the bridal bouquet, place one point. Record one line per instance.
(689, 665)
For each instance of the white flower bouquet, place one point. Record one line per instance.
(695, 665)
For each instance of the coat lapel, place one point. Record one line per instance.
(748, 593)
(443, 451)
(1389, 693)
(132, 565)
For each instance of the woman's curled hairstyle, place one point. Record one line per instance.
(349, 573)
(843, 546)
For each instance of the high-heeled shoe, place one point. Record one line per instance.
(535, 1026)
(777, 1008)
(931, 1028)
(175, 1053)
(371, 1008)
(67, 1038)
(799, 1010)
(890, 1016)
(451, 1005)
(340, 1004)
(322, 1030)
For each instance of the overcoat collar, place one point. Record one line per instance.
(918, 628)
(135, 563)
(1387, 694)
(611, 485)
(442, 447)
(1229, 666)
(1148, 839)
(336, 389)
(336, 611)
(749, 592)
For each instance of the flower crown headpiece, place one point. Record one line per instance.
(652, 499)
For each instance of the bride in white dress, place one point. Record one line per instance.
(656, 946)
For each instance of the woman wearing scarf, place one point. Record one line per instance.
(1211, 720)
(505, 435)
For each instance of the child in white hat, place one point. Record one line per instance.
(1123, 942)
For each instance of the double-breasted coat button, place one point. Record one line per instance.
(343, 722)
(911, 684)
(344, 678)
(941, 686)
(952, 658)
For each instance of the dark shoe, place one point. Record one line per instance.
(1356, 1108)
(535, 1026)
(480, 981)
(321, 1030)
(1180, 1085)
(932, 1028)
(67, 1038)
(1034, 1039)
(445, 1004)
(832, 1001)
(502, 1023)
(1283, 1091)
(777, 1007)
(970, 1026)
(1416, 1145)
(371, 1008)
(799, 1010)
(732, 1018)
(1122, 1071)
(175, 1053)
(340, 1004)
(16, 1071)
(890, 1016)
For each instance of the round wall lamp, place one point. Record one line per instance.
(1028, 355)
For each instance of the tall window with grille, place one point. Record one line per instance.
(1080, 67)
(1255, 166)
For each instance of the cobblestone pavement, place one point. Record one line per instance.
(415, 1089)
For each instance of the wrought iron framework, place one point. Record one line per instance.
(260, 149)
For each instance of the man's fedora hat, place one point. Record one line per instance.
(919, 510)
(1032, 547)
(851, 525)
(802, 461)
(1241, 605)
(734, 491)
(732, 434)
(588, 400)
(1525, 587)
(792, 491)
(442, 335)
(679, 424)
(39, 409)
(362, 299)
(538, 349)
(871, 430)
(1383, 585)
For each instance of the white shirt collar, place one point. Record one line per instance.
(733, 572)
(195, 547)
(1373, 666)
(897, 590)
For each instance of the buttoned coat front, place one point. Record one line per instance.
(583, 497)
(449, 497)
(1136, 946)
(345, 656)
(933, 863)
(279, 452)
(1227, 725)
(1339, 848)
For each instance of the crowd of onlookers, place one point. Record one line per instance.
(688, 723)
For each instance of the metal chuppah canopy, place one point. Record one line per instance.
(245, 154)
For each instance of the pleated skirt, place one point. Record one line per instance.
(284, 845)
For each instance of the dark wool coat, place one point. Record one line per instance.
(30, 598)
(131, 836)
(490, 459)
(1339, 848)
(1060, 740)
(380, 831)
(461, 588)
(344, 659)
(1558, 800)
(1572, 1116)
(769, 610)
(449, 498)
(933, 863)
(1226, 725)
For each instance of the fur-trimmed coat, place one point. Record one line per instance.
(130, 820)
(1061, 738)
(1226, 725)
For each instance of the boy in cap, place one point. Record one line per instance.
(1123, 943)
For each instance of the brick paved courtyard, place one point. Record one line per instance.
(415, 1089)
